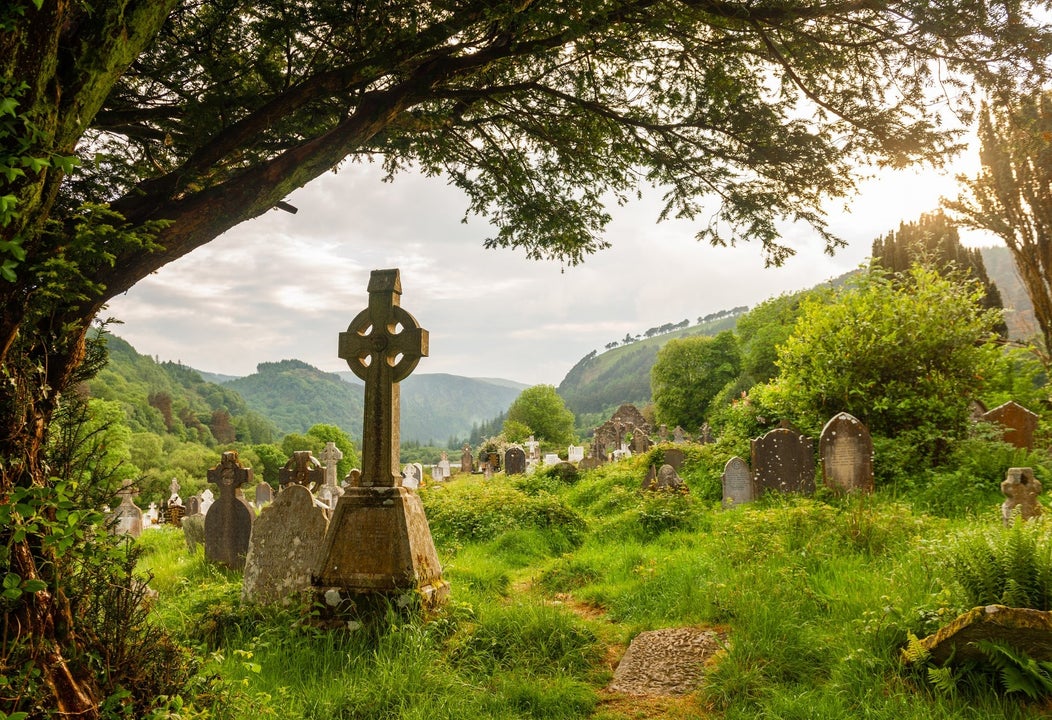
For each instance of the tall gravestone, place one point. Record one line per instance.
(126, 518)
(466, 461)
(783, 460)
(847, 454)
(514, 461)
(737, 483)
(228, 523)
(1019, 423)
(379, 542)
(286, 540)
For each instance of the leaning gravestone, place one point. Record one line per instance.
(126, 519)
(1021, 488)
(737, 483)
(847, 455)
(1019, 423)
(514, 461)
(783, 460)
(228, 523)
(286, 540)
(379, 542)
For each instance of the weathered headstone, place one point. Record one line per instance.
(126, 518)
(228, 523)
(443, 465)
(410, 478)
(847, 454)
(1019, 423)
(533, 448)
(330, 490)
(378, 540)
(679, 435)
(151, 515)
(737, 483)
(514, 461)
(663, 433)
(575, 453)
(1021, 489)
(193, 506)
(353, 479)
(174, 488)
(264, 494)
(174, 514)
(640, 442)
(551, 458)
(207, 499)
(663, 478)
(286, 540)
(705, 436)
(436, 473)
(302, 469)
(466, 461)
(783, 460)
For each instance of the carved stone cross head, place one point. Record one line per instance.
(302, 469)
(382, 346)
(229, 475)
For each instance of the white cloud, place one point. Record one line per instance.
(284, 285)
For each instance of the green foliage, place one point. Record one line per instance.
(481, 511)
(272, 458)
(542, 410)
(1012, 194)
(688, 374)
(1003, 565)
(1018, 671)
(765, 327)
(901, 353)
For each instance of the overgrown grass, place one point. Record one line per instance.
(817, 598)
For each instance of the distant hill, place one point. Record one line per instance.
(435, 407)
(1020, 311)
(605, 380)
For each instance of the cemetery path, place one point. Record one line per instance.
(614, 703)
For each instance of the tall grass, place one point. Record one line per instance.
(816, 598)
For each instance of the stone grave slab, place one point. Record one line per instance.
(674, 457)
(287, 538)
(126, 518)
(264, 494)
(783, 460)
(671, 661)
(1022, 628)
(514, 461)
(1019, 423)
(737, 483)
(847, 455)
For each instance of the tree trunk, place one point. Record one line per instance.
(41, 624)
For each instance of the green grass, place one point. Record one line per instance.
(817, 598)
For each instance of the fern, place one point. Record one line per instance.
(1018, 671)
(1004, 565)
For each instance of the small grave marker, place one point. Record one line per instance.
(737, 483)
(514, 461)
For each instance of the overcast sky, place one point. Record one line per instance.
(284, 286)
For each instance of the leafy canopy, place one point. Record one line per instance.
(688, 374)
(542, 410)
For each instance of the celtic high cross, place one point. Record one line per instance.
(382, 346)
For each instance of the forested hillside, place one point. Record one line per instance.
(166, 398)
(622, 374)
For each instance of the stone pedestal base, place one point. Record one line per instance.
(379, 542)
